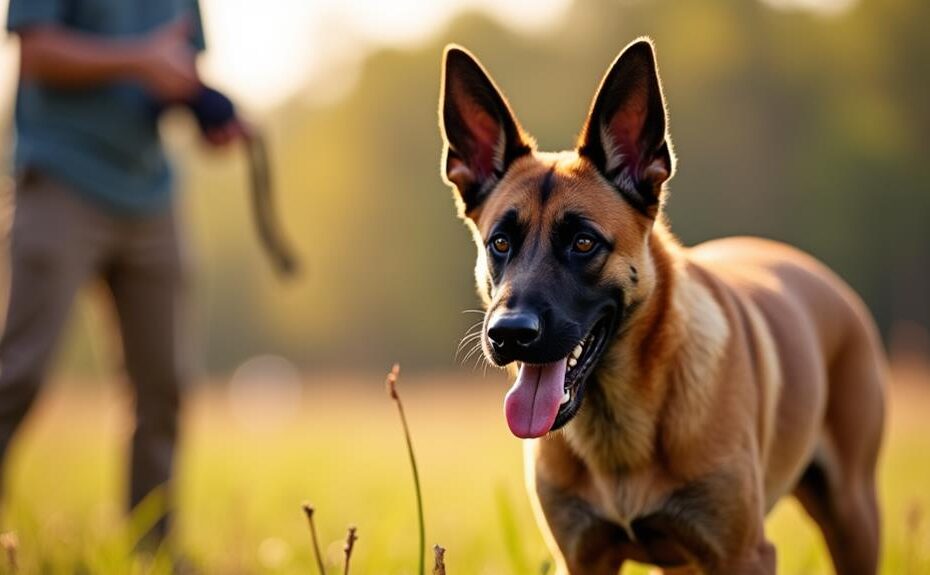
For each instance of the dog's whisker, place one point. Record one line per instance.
(482, 359)
(477, 361)
(475, 327)
(467, 340)
(475, 341)
(477, 330)
(468, 352)
(481, 311)
(472, 333)
(474, 330)
(479, 358)
(471, 352)
(470, 336)
(463, 345)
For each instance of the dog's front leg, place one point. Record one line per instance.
(719, 523)
(580, 542)
(759, 560)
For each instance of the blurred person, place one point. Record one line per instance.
(94, 200)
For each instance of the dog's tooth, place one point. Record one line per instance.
(577, 351)
(566, 397)
(572, 362)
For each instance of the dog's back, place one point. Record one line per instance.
(820, 331)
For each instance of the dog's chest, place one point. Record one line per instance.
(624, 498)
(634, 501)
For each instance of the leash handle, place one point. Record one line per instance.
(282, 257)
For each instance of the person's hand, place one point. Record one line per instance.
(167, 63)
(226, 134)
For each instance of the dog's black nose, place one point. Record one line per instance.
(514, 329)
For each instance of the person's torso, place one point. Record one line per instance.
(103, 140)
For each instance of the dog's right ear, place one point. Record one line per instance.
(482, 136)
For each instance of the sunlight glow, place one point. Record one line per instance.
(827, 7)
(265, 52)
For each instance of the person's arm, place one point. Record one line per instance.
(236, 128)
(197, 36)
(163, 60)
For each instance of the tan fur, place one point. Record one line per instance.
(744, 364)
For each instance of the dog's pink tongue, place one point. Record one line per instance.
(533, 401)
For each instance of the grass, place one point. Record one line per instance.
(247, 464)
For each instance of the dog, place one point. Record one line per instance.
(670, 396)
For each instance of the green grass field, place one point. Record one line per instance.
(249, 461)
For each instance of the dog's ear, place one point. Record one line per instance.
(625, 133)
(482, 136)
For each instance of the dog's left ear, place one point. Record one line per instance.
(482, 136)
(625, 134)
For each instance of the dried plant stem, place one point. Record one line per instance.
(391, 383)
(351, 538)
(439, 567)
(308, 511)
(10, 544)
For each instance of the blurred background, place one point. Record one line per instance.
(801, 120)
(806, 121)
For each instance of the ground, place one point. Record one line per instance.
(251, 457)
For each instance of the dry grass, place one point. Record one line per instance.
(351, 537)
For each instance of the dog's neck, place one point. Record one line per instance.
(665, 355)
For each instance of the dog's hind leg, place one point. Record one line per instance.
(848, 520)
(838, 487)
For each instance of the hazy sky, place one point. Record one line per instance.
(262, 52)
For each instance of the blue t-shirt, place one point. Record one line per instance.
(103, 140)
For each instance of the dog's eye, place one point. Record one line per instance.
(500, 243)
(583, 243)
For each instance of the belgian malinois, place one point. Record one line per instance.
(672, 395)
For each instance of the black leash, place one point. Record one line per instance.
(269, 230)
(212, 109)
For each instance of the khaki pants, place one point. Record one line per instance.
(60, 241)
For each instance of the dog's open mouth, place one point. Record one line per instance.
(547, 396)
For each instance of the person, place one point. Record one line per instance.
(94, 200)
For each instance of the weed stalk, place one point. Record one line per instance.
(308, 511)
(439, 566)
(351, 538)
(391, 384)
